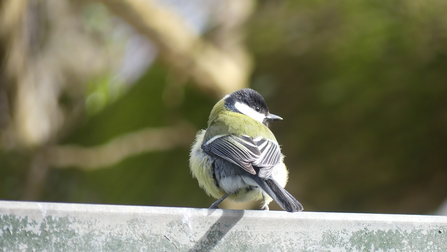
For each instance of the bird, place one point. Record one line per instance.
(238, 157)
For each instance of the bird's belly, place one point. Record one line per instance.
(233, 179)
(231, 184)
(241, 190)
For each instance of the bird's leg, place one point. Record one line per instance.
(215, 205)
(265, 205)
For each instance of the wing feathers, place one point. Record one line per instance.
(246, 152)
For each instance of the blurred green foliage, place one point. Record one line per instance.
(361, 86)
(362, 91)
(159, 178)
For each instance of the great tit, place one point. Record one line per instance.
(237, 156)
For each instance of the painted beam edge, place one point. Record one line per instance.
(38, 226)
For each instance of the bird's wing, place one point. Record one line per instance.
(246, 152)
(270, 156)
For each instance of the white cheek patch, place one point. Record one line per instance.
(246, 110)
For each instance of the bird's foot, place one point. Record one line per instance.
(214, 205)
(265, 208)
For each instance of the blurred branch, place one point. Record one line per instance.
(91, 158)
(213, 69)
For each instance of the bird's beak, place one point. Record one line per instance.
(272, 117)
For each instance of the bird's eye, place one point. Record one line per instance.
(258, 108)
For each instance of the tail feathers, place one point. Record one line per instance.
(284, 199)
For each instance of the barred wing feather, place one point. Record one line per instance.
(246, 152)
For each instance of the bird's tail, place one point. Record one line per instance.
(284, 199)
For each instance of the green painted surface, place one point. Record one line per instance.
(28, 226)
